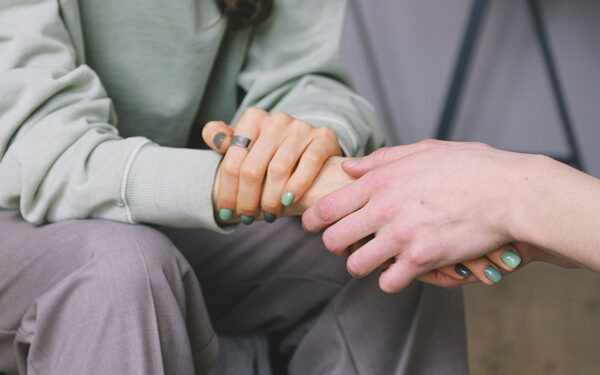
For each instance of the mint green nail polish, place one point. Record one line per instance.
(225, 214)
(246, 220)
(492, 274)
(288, 198)
(511, 259)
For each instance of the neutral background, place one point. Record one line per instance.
(541, 319)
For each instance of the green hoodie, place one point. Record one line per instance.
(69, 68)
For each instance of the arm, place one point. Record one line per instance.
(437, 203)
(293, 72)
(558, 209)
(61, 156)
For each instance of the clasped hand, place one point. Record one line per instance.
(424, 208)
(283, 161)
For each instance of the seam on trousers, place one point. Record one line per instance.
(138, 248)
(337, 323)
(207, 346)
(30, 366)
(213, 347)
(285, 275)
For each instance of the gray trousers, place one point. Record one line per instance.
(99, 297)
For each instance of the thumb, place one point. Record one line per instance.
(359, 166)
(217, 135)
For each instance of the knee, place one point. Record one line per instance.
(128, 260)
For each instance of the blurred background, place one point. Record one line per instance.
(402, 53)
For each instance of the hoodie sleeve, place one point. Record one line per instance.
(293, 65)
(61, 156)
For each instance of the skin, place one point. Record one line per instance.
(286, 155)
(330, 178)
(433, 204)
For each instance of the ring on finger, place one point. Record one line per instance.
(241, 141)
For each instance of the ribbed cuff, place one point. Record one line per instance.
(173, 187)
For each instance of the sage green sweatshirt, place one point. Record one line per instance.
(102, 101)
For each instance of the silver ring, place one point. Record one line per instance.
(240, 140)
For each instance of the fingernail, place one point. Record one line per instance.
(462, 270)
(492, 274)
(269, 217)
(511, 259)
(246, 220)
(288, 198)
(218, 139)
(225, 214)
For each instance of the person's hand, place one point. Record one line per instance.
(282, 162)
(504, 260)
(428, 205)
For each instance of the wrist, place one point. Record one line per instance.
(531, 184)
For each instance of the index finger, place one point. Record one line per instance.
(335, 206)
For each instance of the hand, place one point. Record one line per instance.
(505, 260)
(283, 161)
(429, 205)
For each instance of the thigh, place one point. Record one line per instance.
(57, 278)
(262, 276)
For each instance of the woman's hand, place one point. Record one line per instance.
(281, 163)
(503, 261)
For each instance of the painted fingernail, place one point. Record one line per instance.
(492, 274)
(269, 217)
(462, 270)
(218, 139)
(246, 220)
(511, 259)
(288, 198)
(225, 214)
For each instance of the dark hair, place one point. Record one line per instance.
(241, 14)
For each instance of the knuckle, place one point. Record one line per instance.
(312, 159)
(326, 133)
(253, 114)
(418, 258)
(230, 170)
(255, 111)
(278, 169)
(281, 117)
(325, 209)
(381, 155)
(425, 145)
(251, 173)
(389, 213)
(303, 125)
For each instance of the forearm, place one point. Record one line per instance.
(558, 209)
